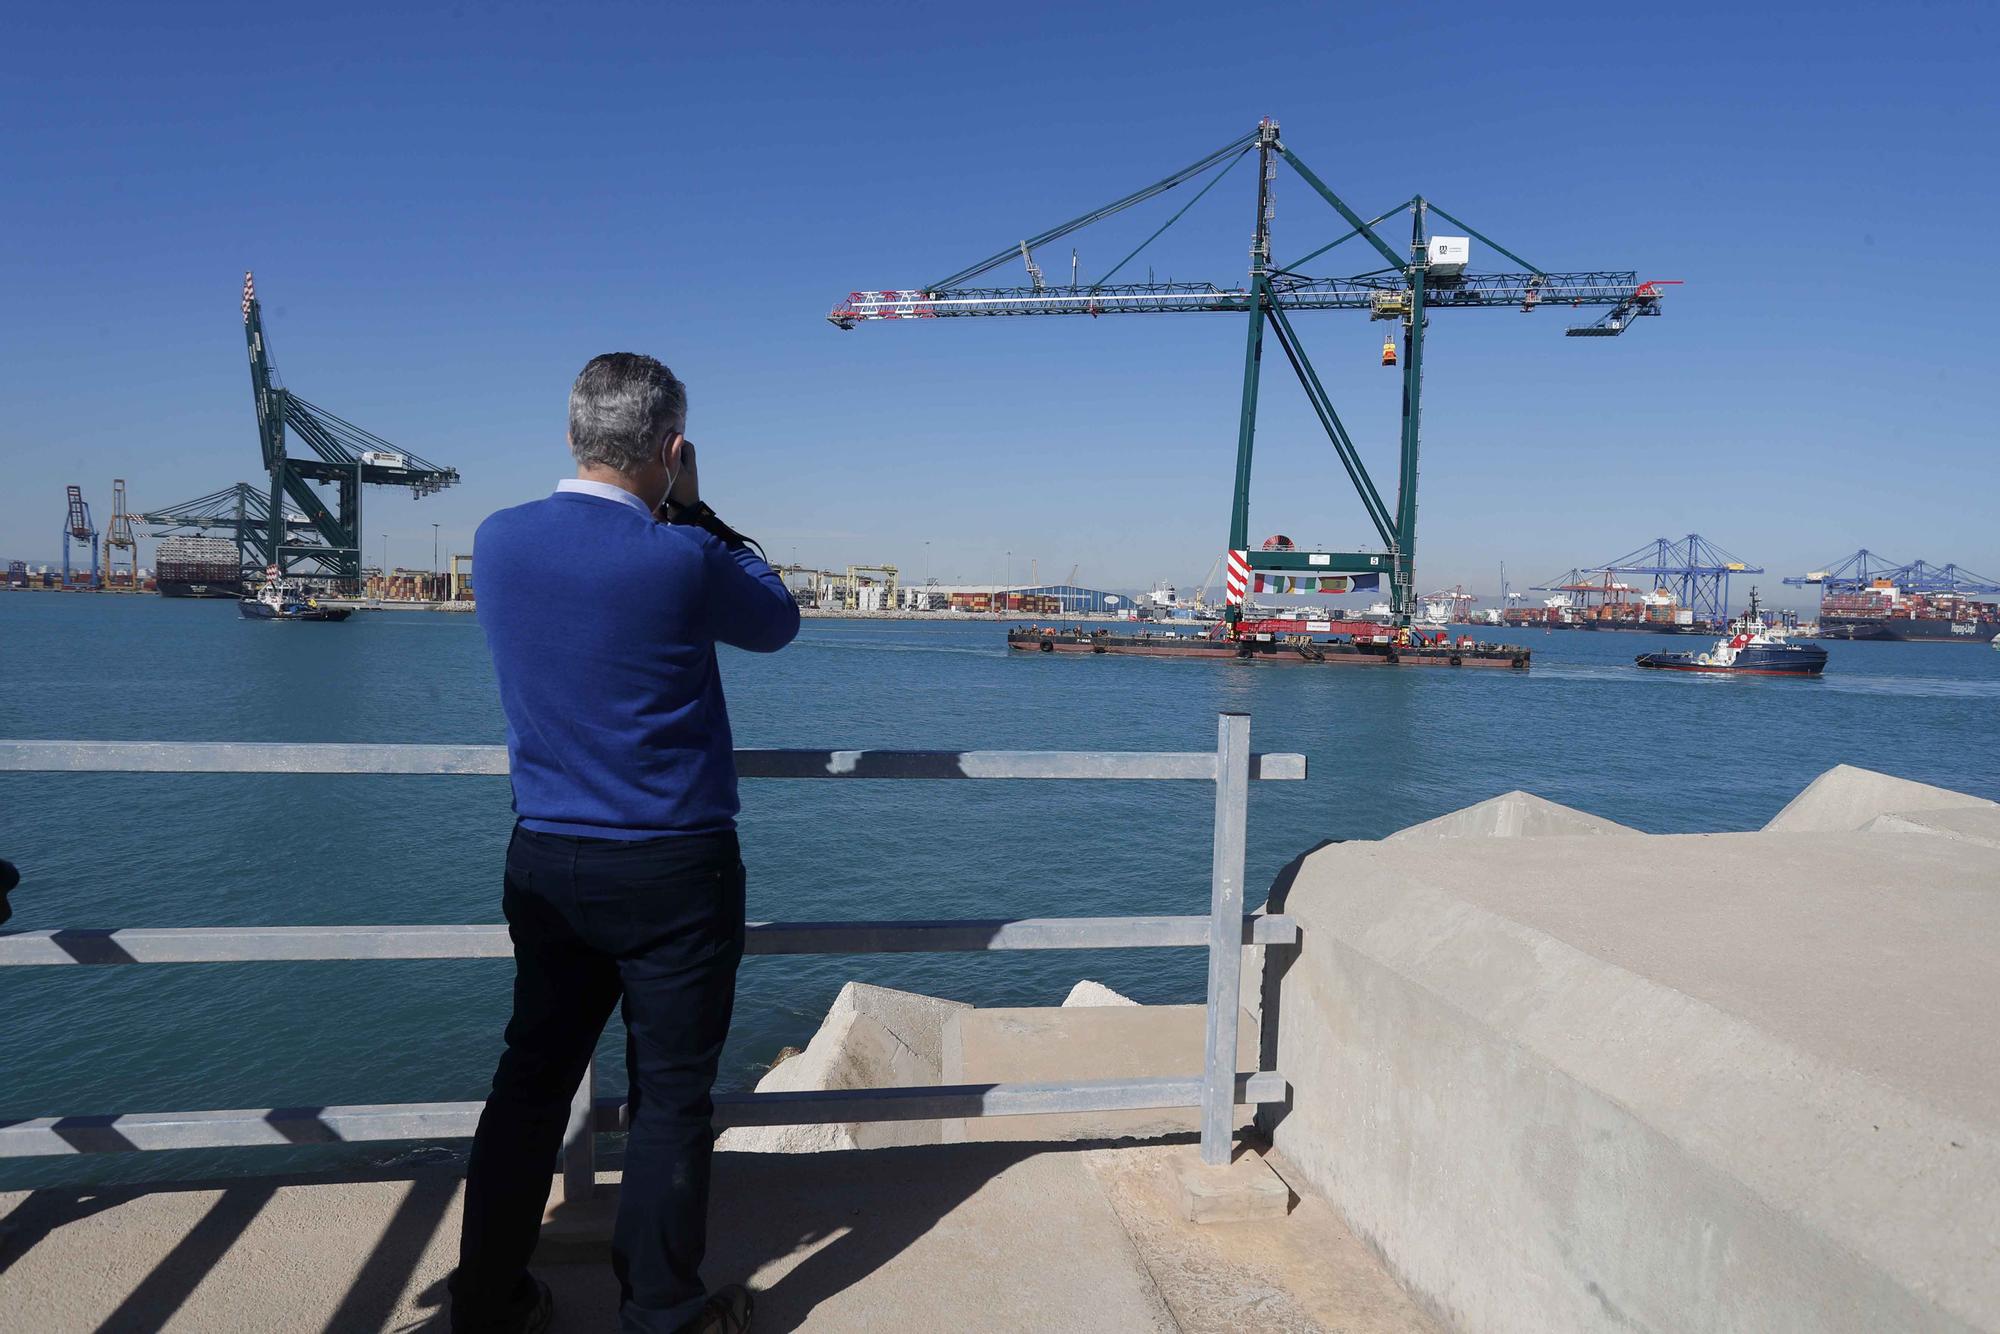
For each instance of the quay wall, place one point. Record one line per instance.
(1562, 1081)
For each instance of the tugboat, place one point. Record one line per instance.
(281, 599)
(1752, 648)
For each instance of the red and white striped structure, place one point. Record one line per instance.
(1236, 578)
(249, 292)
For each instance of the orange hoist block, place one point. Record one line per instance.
(1388, 350)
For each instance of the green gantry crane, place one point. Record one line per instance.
(1406, 289)
(327, 544)
(243, 512)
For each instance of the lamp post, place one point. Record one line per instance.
(382, 579)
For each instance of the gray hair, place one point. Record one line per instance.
(620, 409)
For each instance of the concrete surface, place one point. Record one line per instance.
(1974, 824)
(1706, 1083)
(1844, 799)
(984, 1237)
(1238, 1191)
(1512, 815)
(1303, 1274)
(872, 1037)
(1047, 1044)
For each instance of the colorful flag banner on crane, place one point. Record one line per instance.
(1307, 583)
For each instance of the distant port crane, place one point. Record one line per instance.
(77, 527)
(1694, 571)
(343, 456)
(1866, 569)
(1433, 275)
(119, 538)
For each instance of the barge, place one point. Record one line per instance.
(1372, 650)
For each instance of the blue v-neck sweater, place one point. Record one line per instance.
(603, 625)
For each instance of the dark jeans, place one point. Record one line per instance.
(658, 925)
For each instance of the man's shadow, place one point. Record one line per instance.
(849, 1213)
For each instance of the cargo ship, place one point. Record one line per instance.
(1306, 642)
(1885, 612)
(197, 567)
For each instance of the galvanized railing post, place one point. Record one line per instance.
(1225, 936)
(579, 1151)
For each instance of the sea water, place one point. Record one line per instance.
(1664, 752)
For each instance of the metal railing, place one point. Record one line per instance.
(1217, 1091)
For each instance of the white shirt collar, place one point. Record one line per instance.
(604, 491)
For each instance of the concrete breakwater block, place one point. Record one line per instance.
(1845, 799)
(876, 1037)
(1045, 1044)
(1715, 1082)
(1511, 815)
(1972, 824)
(872, 1037)
(1088, 993)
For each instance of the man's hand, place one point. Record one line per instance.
(686, 489)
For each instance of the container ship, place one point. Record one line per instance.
(1887, 612)
(198, 567)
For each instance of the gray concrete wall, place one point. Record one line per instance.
(1707, 1083)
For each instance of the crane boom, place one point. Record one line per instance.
(1383, 298)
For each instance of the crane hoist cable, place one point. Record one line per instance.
(1213, 182)
(1188, 173)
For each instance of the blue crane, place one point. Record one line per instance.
(1694, 570)
(1866, 569)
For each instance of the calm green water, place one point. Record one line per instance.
(1663, 752)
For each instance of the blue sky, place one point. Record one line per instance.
(449, 209)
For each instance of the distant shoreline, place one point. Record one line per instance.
(953, 617)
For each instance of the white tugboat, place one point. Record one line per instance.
(282, 599)
(1752, 648)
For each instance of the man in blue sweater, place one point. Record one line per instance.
(602, 606)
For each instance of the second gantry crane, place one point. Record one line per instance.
(343, 455)
(120, 538)
(1405, 289)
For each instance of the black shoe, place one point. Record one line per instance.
(532, 1312)
(727, 1312)
(541, 1311)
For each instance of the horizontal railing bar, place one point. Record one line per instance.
(276, 944)
(1023, 933)
(819, 1107)
(151, 1131)
(266, 757)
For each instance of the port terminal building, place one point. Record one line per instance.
(1025, 600)
(878, 589)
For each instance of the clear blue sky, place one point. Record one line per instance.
(450, 209)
